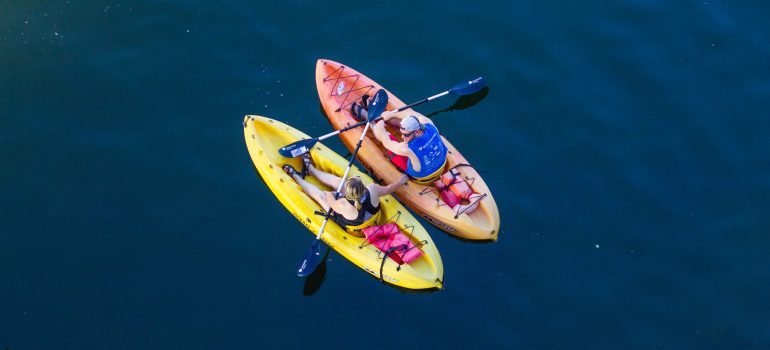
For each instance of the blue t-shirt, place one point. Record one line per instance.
(431, 151)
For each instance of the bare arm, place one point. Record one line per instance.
(381, 134)
(341, 206)
(378, 191)
(393, 114)
(388, 115)
(386, 190)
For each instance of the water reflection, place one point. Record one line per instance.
(464, 101)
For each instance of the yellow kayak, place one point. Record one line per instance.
(264, 136)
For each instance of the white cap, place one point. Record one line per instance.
(410, 123)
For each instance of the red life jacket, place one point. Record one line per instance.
(388, 238)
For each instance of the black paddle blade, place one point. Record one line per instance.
(469, 87)
(377, 104)
(311, 260)
(298, 148)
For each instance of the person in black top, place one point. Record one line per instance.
(358, 204)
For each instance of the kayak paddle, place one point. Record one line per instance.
(313, 256)
(301, 147)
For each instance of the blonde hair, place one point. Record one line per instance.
(354, 190)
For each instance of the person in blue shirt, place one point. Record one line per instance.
(422, 146)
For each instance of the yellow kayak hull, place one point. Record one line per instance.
(264, 136)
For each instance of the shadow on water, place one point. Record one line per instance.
(314, 281)
(259, 175)
(323, 113)
(469, 241)
(403, 290)
(464, 102)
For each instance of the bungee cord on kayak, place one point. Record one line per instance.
(461, 198)
(340, 87)
(384, 235)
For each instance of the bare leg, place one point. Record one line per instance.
(327, 179)
(314, 192)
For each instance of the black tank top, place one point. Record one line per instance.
(366, 211)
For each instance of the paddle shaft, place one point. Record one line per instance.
(378, 118)
(297, 148)
(344, 176)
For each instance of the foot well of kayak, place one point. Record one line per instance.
(393, 243)
(456, 192)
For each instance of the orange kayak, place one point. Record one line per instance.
(338, 87)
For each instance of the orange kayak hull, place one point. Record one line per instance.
(338, 87)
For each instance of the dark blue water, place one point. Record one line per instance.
(626, 145)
